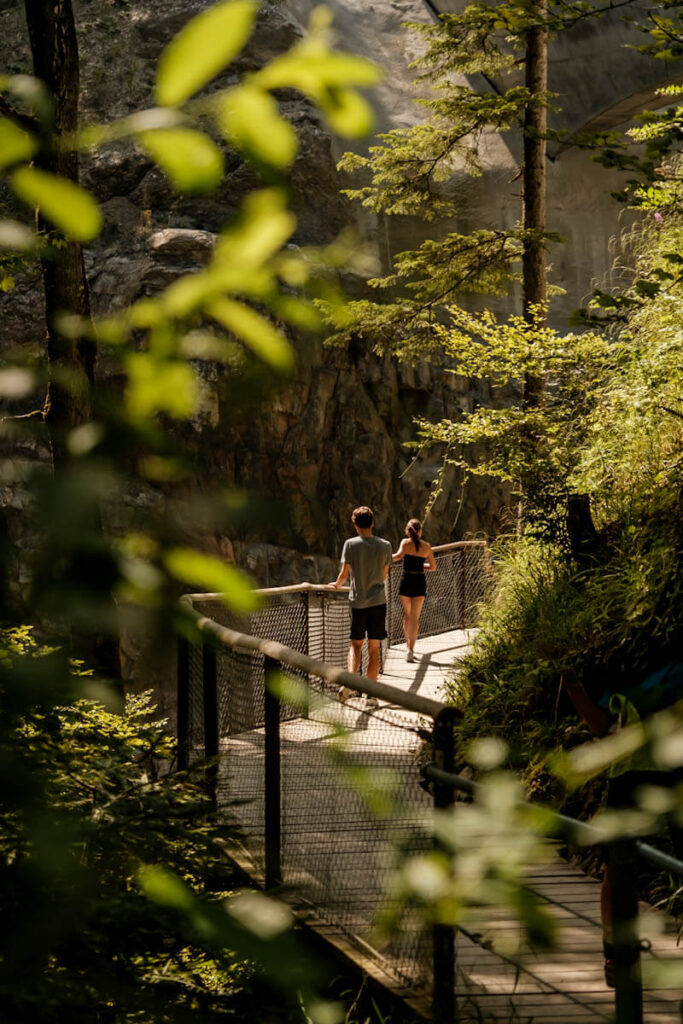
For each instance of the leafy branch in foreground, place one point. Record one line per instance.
(109, 865)
(240, 311)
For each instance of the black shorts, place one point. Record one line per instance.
(369, 620)
(413, 584)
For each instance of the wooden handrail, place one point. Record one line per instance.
(302, 588)
(303, 662)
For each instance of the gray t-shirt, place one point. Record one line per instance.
(367, 557)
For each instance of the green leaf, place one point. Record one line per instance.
(154, 386)
(347, 112)
(311, 67)
(164, 888)
(16, 145)
(264, 226)
(191, 160)
(202, 49)
(255, 331)
(250, 119)
(200, 570)
(69, 207)
(16, 382)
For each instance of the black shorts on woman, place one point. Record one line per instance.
(413, 582)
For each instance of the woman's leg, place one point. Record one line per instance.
(406, 602)
(415, 609)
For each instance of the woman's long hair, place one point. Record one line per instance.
(413, 527)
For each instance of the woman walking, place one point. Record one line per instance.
(416, 555)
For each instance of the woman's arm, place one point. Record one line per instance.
(429, 557)
(398, 555)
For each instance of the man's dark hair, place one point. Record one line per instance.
(362, 517)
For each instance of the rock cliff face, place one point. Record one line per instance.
(333, 436)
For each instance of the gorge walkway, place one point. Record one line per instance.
(330, 800)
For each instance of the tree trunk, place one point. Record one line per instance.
(584, 540)
(535, 127)
(80, 571)
(71, 363)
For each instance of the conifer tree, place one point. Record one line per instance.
(54, 47)
(415, 314)
(411, 167)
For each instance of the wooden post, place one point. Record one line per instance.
(183, 703)
(628, 991)
(443, 936)
(210, 695)
(272, 808)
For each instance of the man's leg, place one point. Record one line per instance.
(355, 653)
(373, 658)
(353, 658)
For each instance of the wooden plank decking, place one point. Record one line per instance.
(336, 856)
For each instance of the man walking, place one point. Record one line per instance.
(366, 559)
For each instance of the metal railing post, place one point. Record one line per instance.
(183, 698)
(210, 695)
(390, 607)
(628, 991)
(459, 559)
(307, 649)
(443, 935)
(272, 808)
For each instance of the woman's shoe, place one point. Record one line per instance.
(410, 656)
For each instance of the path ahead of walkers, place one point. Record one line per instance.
(338, 858)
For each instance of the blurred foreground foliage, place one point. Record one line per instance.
(110, 862)
(92, 802)
(112, 870)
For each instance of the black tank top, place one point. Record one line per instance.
(414, 563)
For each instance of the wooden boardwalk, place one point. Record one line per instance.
(337, 858)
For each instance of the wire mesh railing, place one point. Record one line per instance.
(622, 852)
(315, 620)
(324, 792)
(325, 766)
(329, 795)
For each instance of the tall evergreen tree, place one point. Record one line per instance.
(415, 315)
(411, 167)
(54, 47)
